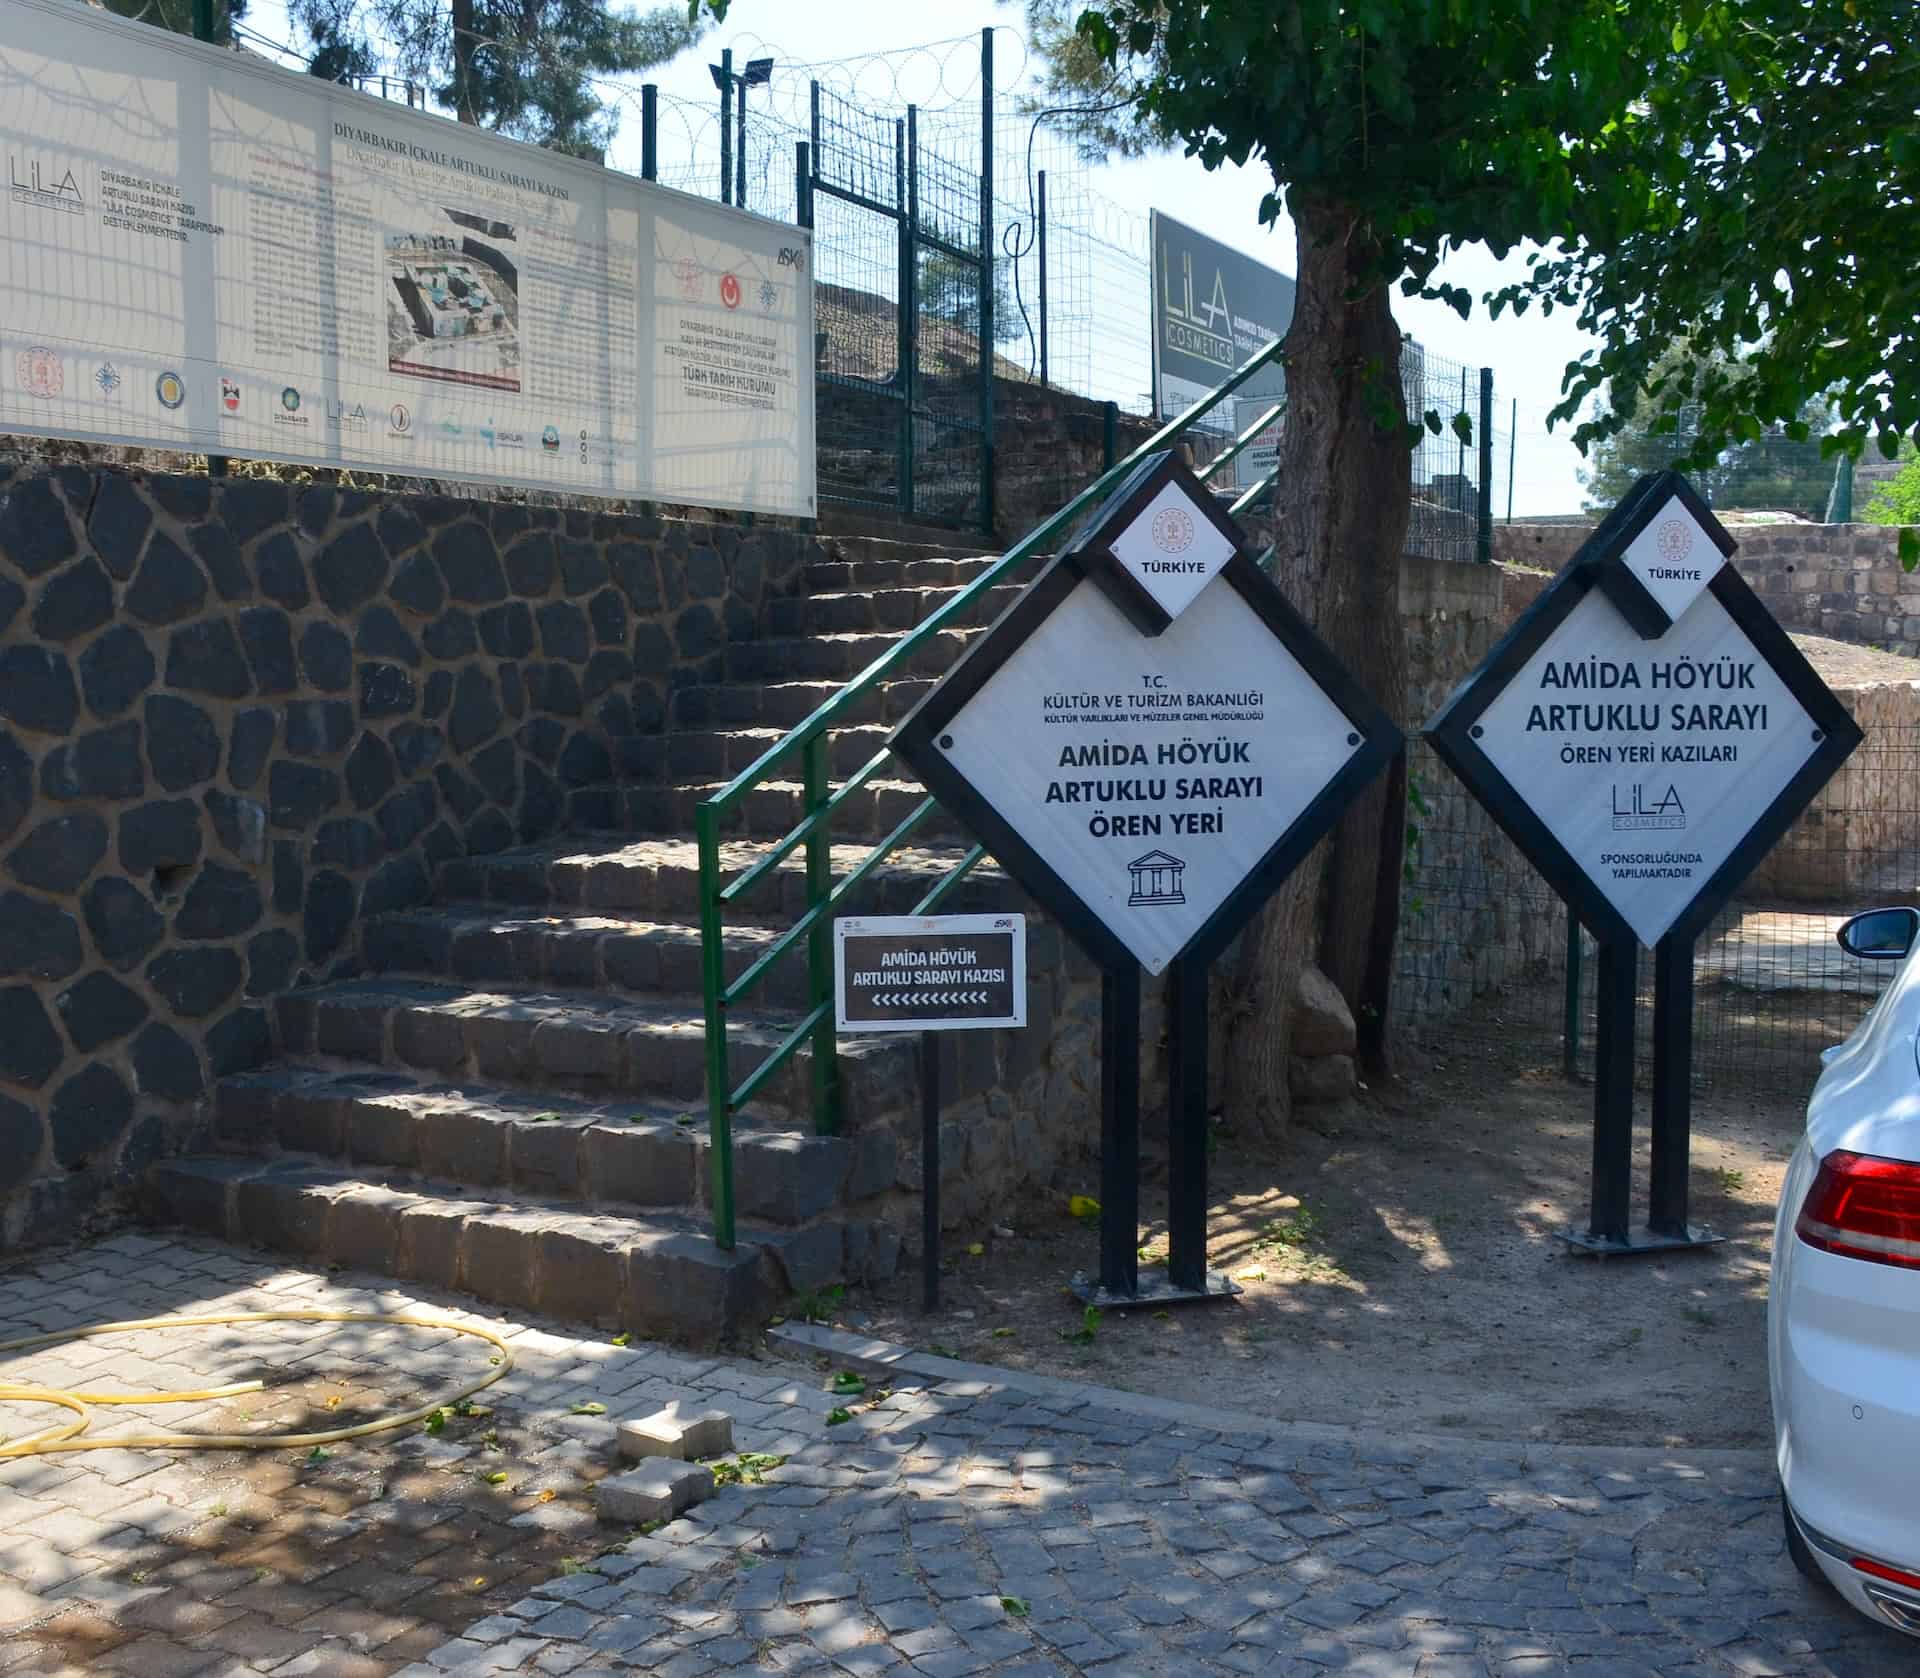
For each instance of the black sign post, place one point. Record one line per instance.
(1645, 733)
(930, 973)
(1150, 740)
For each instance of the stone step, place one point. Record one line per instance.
(589, 1042)
(769, 810)
(660, 758)
(839, 658)
(895, 609)
(568, 948)
(782, 705)
(653, 1275)
(622, 1157)
(660, 878)
(900, 570)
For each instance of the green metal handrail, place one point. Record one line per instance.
(813, 832)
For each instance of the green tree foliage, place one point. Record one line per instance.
(177, 15)
(950, 291)
(1762, 201)
(1897, 501)
(529, 69)
(1774, 472)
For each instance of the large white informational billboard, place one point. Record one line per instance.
(201, 251)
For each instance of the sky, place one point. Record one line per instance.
(833, 38)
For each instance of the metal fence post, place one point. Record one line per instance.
(649, 132)
(1570, 1015)
(724, 76)
(986, 281)
(1040, 225)
(1513, 453)
(802, 182)
(1109, 434)
(1483, 531)
(906, 198)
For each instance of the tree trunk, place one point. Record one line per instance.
(463, 45)
(1344, 485)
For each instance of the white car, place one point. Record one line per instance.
(1843, 1315)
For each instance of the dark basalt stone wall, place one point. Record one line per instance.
(237, 716)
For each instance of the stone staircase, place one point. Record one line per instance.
(508, 1097)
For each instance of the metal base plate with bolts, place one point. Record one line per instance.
(1640, 1241)
(1154, 1290)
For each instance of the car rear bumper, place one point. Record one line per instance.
(1879, 1599)
(1848, 1392)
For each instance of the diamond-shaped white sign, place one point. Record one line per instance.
(1150, 774)
(1172, 548)
(1648, 761)
(1673, 557)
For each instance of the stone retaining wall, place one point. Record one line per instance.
(235, 715)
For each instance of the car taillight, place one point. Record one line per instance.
(1880, 1570)
(1864, 1207)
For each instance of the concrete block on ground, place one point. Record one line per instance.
(658, 1490)
(677, 1433)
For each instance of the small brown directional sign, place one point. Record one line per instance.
(930, 972)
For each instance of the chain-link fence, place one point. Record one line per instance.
(1486, 973)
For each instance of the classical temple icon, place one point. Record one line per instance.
(1156, 879)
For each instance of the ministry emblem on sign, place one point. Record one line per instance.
(40, 372)
(1173, 530)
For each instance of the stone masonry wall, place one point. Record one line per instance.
(235, 715)
(1843, 580)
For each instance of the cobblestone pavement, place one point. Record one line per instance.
(971, 1528)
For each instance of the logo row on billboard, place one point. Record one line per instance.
(41, 372)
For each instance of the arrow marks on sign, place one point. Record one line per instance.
(932, 999)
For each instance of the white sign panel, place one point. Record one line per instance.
(201, 251)
(1673, 558)
(1151, 774)
(1172, 549)
(1648, 760)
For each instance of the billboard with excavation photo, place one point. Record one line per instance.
(1213, 308)
(202, 251)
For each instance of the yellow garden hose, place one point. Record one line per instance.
(65, 1436)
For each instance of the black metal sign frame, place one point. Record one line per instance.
(1455, 732)
(1376, 738)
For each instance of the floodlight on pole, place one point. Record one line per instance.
(758, 72)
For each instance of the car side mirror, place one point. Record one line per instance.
(1880, 934)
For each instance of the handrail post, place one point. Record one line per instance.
(713, 988)
(819, 847)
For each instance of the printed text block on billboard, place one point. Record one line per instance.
(202, 251)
